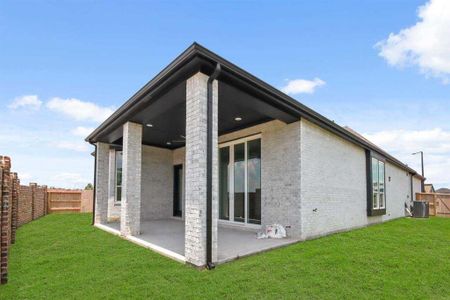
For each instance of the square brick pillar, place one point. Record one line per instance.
(5, 198)
(130, 217)
(196, 170)
(101, 184)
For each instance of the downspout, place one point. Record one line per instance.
(209, 152)
(95, 184)
(408, 209)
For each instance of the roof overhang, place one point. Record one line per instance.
(199, 59)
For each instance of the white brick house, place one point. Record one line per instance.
(205, 155)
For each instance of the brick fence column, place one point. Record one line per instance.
(130, 217)
(196, 170)
(33, 187)
(15, 187)
(45, 191)
(5, 197)
(101, 184)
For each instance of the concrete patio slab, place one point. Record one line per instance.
(167, 237)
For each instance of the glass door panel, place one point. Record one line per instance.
(177, 190)
(254, 181)
(239, 182)
(224, 198)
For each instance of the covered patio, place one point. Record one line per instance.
(167, 237)
(178, 166)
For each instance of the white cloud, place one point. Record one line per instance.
(435, 143)
(299, 86)
(75, 146)
(425, 44)
(25, 176)
(27, 101)
(69, 180)
(82, 131)
(80, 110)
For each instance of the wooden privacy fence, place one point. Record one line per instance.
(439, 203)
(60, 200)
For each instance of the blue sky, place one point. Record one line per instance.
(56, 57)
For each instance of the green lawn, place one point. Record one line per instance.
(62, 256)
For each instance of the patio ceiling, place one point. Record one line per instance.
(164, 118)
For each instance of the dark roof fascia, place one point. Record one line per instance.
(298, 107)
(153, 84)
(206, 64)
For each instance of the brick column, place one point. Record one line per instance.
(195, 187)
(33, 200)
(101, 184)
(5, 198)
(15, 186)
(130, 217)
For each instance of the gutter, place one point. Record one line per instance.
(209, 153)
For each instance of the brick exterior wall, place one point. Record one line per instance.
(157, 183)
(333, 185)
(280, 172)
(280, 177)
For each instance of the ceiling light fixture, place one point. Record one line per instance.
(168, 143)
(149, 125)
(238, 119)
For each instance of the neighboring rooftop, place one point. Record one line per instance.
(443, 191)
(429, 188)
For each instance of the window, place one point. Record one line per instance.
(224, 189)
(376, 192)
(118, 181)
(240, 181)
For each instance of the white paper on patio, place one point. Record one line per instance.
(275, 231)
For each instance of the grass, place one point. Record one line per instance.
(62, 256)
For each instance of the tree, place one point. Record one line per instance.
(89, 186)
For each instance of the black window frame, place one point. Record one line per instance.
(370, 210)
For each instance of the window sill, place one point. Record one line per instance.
(377, 212)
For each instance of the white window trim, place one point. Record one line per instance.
(230, 144)
(378, 193)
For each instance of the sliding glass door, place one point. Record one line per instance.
(254, 181)
(240, 181)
